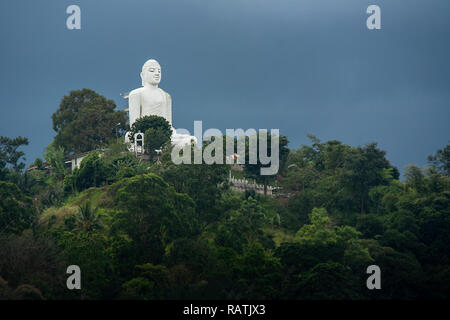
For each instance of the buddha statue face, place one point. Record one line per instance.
(151, 73)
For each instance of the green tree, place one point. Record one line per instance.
(157, 132)
(254, 170)
(441, 160)
(86, 121)
(338, 243)
(260, 274)
(414, 177)
(16, 210)
(370, 225)
(203, 183)
(9, 155)
(328, 281)
(32, 259)
(87, 250)
(88, 218)
(93, 172)
(402, 274)
(55, 158)
(139, 289)
(242, 226)
(152, 214)
(365, 168)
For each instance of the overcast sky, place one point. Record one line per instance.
(303, 66)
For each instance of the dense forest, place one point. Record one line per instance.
(150, 229)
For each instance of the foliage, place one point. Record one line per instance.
(203, 183)
(151, 213)
(16, 209)
(146, 229)
(157, 132)
(93, 172)
(441, 160)
(34, 261)
(55, 157)
(88, 218)
(86, 121)
(10, 165)
(254, 170)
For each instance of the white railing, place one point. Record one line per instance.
(243, 184)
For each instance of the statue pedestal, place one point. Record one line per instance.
(177, 139)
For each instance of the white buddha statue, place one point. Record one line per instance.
(151, 100)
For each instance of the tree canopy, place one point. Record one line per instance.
(9, 155)
(157, 132)
(86, 121)
(146, 228)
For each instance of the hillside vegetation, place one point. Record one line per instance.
(154, 230)
(145, 228)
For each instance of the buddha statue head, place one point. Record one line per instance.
(151, 73)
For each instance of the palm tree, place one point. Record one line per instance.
(88, 218)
